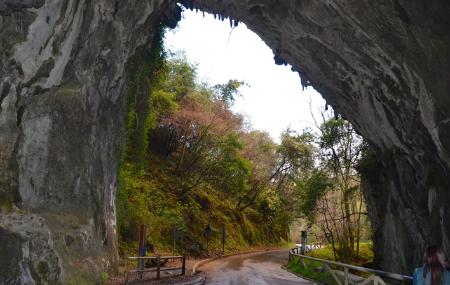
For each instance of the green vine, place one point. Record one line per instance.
(142, 76)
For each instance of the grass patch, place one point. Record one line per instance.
(312, 273)
(365, 257)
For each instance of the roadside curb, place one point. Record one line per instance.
(208, 260)
(199, 281)
(202, 262)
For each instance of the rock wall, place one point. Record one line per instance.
(383, 65)
(61, 131)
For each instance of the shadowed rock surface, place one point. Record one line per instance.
(61, 118)
(384, 65)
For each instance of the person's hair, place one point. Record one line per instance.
(434, 261)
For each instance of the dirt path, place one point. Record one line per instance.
(262, 268)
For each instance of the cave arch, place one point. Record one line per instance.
(370, 62)
(384, 66)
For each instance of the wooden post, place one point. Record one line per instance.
(304, 242)
(224, 234)
(158, 268)
(303, 262)
(126, 271)
(182, 244)
(345, 276)
(183, 269)
(174, 239)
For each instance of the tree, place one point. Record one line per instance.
(228, 91)
(341, 150)
(179, 76)
(203, 142)
(260, 151)
(330, 196)
(276, 166)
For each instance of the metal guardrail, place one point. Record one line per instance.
(158, 268)
(376, 278)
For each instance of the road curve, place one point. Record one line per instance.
(263, 268)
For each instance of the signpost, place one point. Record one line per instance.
(181, 237)
(304, 242)
(224, 236)
(142, 245)
(178, 235)
(207, 234)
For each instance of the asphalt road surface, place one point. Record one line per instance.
(262, 268)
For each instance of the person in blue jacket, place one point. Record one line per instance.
(434, 270)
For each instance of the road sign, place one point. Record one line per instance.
(207, 231)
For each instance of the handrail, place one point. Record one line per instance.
(156, 257)
(381, 273)
(158, 268)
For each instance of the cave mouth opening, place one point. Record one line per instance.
(224, 51)
(344, 52)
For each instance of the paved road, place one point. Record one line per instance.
(251, 269)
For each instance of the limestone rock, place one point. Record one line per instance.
(61, 118)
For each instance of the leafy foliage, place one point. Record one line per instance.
(310, 191)
(330, 197)
(365, 258)
(200, 163)
(143, 72)
(228, 91)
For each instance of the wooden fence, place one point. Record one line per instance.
(340, 271)
(158, 269)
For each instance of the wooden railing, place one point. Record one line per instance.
(343, 277)
(141, 269)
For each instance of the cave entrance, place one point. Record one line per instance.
(274, 100)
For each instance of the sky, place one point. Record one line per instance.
(274, 100)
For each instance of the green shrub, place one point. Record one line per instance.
(104, 276)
